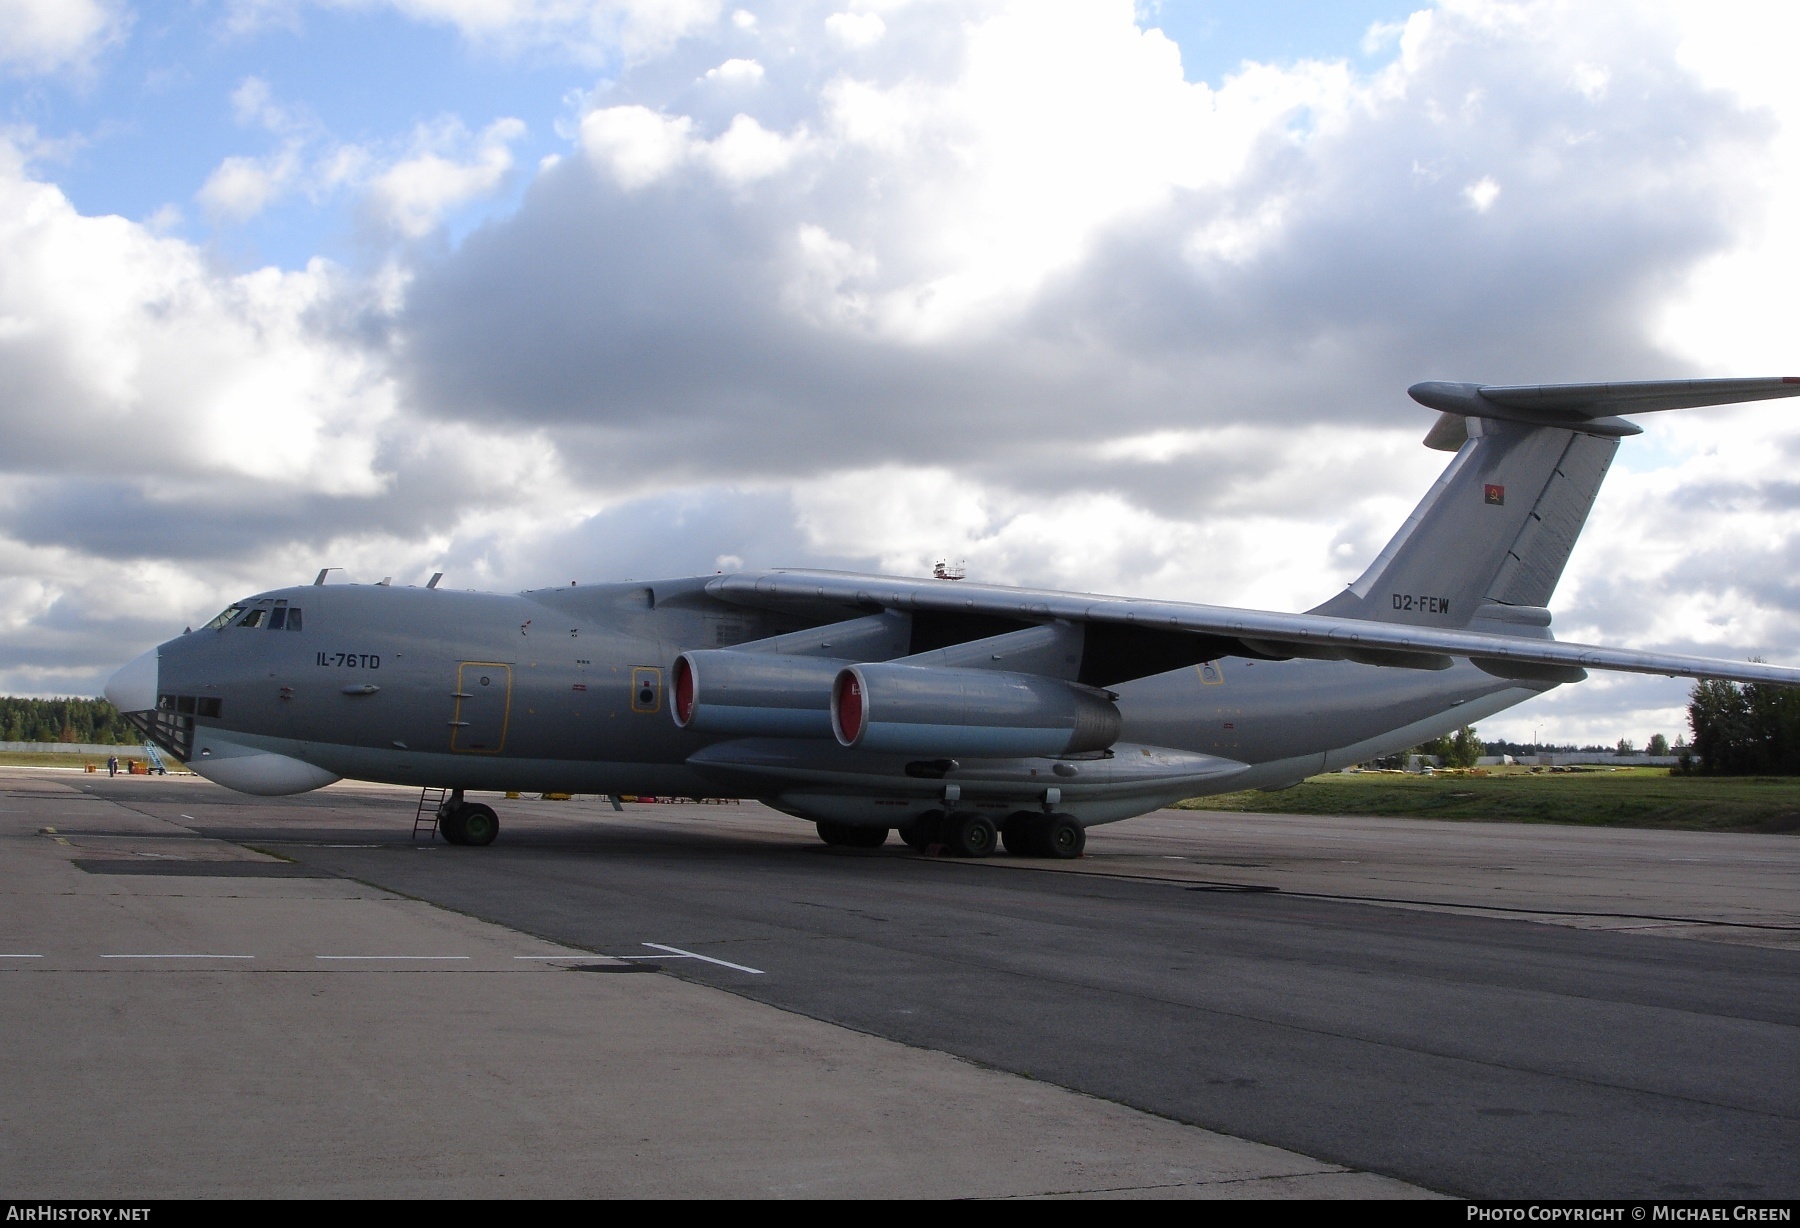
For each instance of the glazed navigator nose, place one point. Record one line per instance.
(132, 688)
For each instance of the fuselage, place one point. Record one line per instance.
(569, 690)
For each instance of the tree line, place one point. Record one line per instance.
(1749, 729)
(64, 720)
(1455, 750)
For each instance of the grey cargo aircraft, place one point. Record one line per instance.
(961, 714)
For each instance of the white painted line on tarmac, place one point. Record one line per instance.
(21, 957)
(178, 957)
(705, 958)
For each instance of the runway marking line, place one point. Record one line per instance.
(677, 951)
(413, 957)
(178, 957)
(21, 957)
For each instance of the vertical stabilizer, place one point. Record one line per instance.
(1496, 528)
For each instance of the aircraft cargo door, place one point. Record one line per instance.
(483, 703)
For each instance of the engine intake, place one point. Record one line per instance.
(979, 713)
(770, 694)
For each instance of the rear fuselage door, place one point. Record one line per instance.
(483, 703)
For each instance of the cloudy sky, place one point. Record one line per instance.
(1089, 295)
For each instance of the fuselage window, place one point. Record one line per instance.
(278, 619)
(254, 618)
(208, 707)
(224, 619)
(185, 705)
(293, 618)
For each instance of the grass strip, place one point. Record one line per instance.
(1628, 797)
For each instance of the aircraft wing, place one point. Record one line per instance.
(1259, 634)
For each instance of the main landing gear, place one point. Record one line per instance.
(463, 822)
(850, 836)
(968, 833)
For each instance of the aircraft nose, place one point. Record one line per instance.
(132, 688)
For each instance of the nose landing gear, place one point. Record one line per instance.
(468, 823)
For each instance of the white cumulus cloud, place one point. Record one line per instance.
(447, 169)
(409, 185)
(856, 29)
(42, 36)
(736, 71)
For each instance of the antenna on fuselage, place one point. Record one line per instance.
(319, 580)
(435, 577)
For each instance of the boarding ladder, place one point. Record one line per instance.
(431, 800)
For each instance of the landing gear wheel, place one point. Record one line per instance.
(479, 824)
(1063, 837)
(1022, 834)
(924, 831)
(971, 835)
(850, 836)
(450, 824)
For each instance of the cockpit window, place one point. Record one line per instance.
(272, 615)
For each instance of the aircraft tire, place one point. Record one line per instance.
(971, 835)
(450, 825)
(851, 836)
(479, 824)
(1063, 837)
(1022, 834)
(924, 831)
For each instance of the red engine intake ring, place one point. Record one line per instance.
(847, 707)
(683, 708)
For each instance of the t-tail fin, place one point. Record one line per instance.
(1491, 537)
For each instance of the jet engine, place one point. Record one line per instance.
(773, 695)
(918, 710)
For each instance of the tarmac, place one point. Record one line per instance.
(232, 1029)
(219, 996)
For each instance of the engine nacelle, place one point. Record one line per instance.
(978, 713)
(769, 694)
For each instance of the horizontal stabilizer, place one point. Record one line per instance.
(1593, 408)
